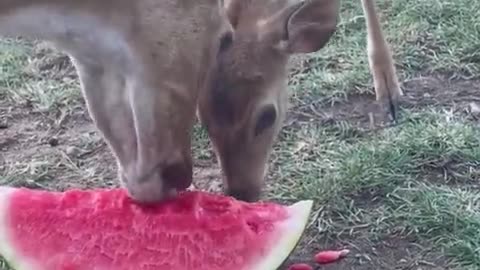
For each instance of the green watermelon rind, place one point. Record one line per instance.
(6, 251)
(290, 231)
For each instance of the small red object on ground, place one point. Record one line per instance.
(330, 256)
(300, 266)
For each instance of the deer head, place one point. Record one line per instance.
(141, 64)
(245, 98)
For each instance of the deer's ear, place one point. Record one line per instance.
(301, 27)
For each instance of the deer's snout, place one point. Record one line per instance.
(251, 194)
(178, 175)
(161, 183)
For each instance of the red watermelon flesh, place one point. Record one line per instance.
(105, 230)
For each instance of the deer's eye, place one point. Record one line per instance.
(266, 119)
(225, 41)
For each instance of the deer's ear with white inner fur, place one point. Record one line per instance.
(301, 27)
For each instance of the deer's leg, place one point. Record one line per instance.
(381, 63)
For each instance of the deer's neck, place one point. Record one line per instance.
(81, 28)
(40, 19)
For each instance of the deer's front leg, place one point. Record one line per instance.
(387, 87)
(381, 63)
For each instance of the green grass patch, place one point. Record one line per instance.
(449, 217)
(371, 184)
(414, 177)
(13, 58)
(23, 86)
(425, 36)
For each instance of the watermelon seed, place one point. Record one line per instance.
(253, 226)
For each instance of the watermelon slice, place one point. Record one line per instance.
(104, 230)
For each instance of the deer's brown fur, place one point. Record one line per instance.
(145, 65)
(245, 102)
(141, 64)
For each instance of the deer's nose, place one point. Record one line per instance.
(178, 175)
(247, 195)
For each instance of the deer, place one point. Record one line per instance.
(140, 65)
(147, 68)
(245, 102)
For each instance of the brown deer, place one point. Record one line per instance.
(143, 63)
(245, 101)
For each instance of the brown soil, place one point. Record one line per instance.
(357, 110)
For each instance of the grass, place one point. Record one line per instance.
(418, 180)
(447, 216)
(390, 180)
(420, 177)
(426, 36)
(23, 79)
